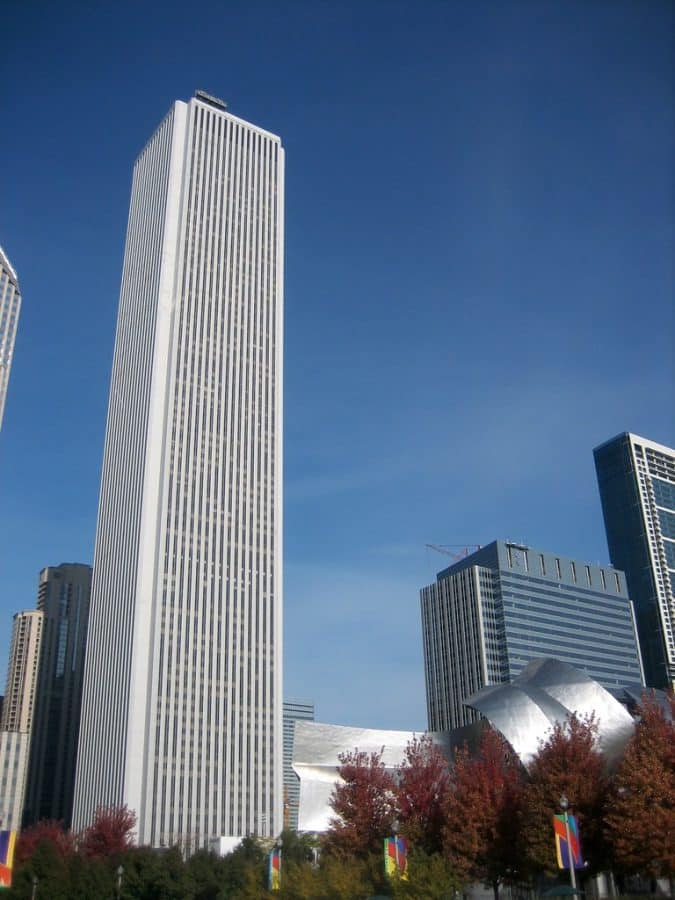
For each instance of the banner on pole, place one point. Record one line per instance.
(561, 848)
(396, 857)
(7, 842)
(275, 870)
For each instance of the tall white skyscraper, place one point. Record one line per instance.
(10, 305)
(182, 701)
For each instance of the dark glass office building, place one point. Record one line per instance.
(636, 478)
(489, 614)
(63, 598)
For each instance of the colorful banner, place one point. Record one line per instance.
(561, 842)
(275, 870)
(396, 857)
(7, 841)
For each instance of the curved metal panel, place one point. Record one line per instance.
(545, 693)
(524, 711)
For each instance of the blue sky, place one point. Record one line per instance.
(479, 284)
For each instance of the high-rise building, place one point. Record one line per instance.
(637, 489)
(10, 305)
(17, 715)
(182, 701)
(294, 711)
(63, 600)
(492, 612)
(22, 669)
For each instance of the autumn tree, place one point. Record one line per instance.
(422, 793)
(640, 821)
(483, 811)
(568, 763)
(45, 831)
(111, 833)
(364, 801)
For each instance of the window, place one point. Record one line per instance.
(664, 493)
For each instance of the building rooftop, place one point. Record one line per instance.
(4, 261)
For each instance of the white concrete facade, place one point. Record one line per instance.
(13, 768)
(182, 702)
(17, 714)
(10, 306)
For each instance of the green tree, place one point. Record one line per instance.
(430, 877)
(640, 819)
(61, 877)
(88, 879)
(155, 875)
(336, 878)
(48, 866)
(245, 871)
(298, 848)
(206, 874)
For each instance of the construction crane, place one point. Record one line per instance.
(466, 549)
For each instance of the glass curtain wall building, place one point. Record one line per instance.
(63, 599)
(182, 700)
(636, 478)
(491, 613)
(10, 306)
(294, 711)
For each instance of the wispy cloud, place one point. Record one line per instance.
(509, 434)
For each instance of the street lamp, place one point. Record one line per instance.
(120, 872)
(33, 894)
(564, 805)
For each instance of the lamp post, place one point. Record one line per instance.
(564, 805)
(33, 893)
(120, 872)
